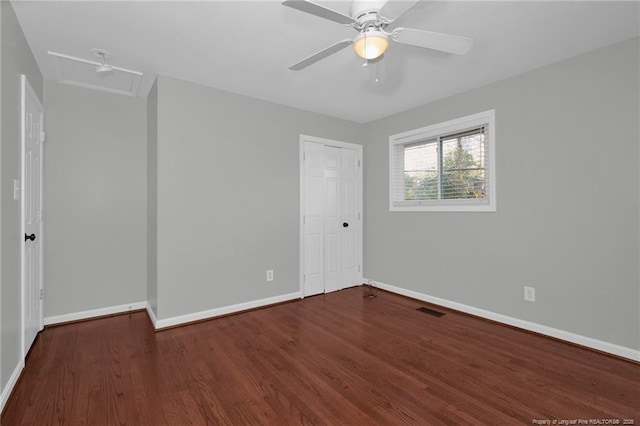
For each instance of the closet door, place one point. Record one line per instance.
(331, 216)
(313, 219)
(350, 240)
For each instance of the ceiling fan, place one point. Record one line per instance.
(103, 69)
(370, 18)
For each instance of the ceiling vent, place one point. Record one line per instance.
(96, 75)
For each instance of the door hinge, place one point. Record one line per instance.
(358, 163)
(41, 294)
(358, 215)
(304, 278)
(359, 268)
(42, 137)
(304, 156)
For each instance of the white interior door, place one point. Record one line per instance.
(313, 219)
(31, 207)
(332, 228)
(351, 240)
(331, 204)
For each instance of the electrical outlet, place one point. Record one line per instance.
(270, 275)
(530, 294)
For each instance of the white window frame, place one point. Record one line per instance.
(484, 119)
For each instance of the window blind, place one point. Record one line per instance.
(450, 167)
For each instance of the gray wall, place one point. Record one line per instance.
(95, 199)
(228, 195)
(568, 190)
(16, 59)
(152, 198)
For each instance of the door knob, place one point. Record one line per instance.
(345, 225)
(31, 237)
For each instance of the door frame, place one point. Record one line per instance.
(27, 90)
(337, 144)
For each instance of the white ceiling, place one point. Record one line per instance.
(246, 46)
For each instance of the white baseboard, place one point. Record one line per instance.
(110, 310)
(589, 342)
(6, 392)
(212, 313)
(152, 316)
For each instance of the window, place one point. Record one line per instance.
(445, 167)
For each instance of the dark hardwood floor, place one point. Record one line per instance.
(338, 359)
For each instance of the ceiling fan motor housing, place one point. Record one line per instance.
(365, 12)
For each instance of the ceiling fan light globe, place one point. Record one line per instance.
(371, 44)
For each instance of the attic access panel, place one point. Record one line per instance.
(81, 72)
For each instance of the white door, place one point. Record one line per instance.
(32, 138)
(351, 243)
(332, 231)
(313, 219)
(331, 220)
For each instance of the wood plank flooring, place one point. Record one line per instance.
(337, 359)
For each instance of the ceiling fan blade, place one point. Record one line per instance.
(393, 9)
(321, 11)
(430, 40)
(320, 55)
